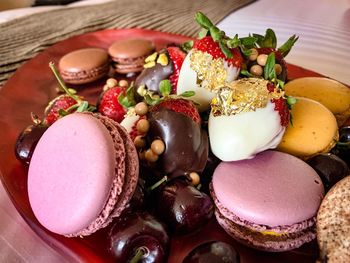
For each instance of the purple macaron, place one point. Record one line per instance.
(269, 202)
(83, 172)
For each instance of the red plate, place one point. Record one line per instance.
(32, 87)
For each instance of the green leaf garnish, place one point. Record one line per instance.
(248, 42)
(233, 42)
(127, 99)
(187, 94)
(165, 87)
(216, 33)
(83, 106)
(227, 52)
(287, 46)
(203, 21)
(291, 101)
(187, 46)
(246, 73)
(150, 101)
(269, 69)
(62, 112)
(203, 33)
(270, 39)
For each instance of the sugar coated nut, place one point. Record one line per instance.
(151, 156)
(254, 54)
(123, 83)
(256, 70)
(278, 69)
(195, 178)
(111, 82)
(158, 146)
(141, 108)
(262, 58)
(139, 142)
(142, 126)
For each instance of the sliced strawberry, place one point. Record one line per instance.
(177, 56)
(109, 104)
(181, 106)
(62, 102)
(207, 44)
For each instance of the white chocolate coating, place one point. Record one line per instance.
(188, 82)
(242, 136)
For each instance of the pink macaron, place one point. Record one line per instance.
(269, 202)
(83, 172)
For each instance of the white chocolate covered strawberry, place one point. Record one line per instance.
(247, 117)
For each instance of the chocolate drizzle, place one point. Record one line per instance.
(186, 144)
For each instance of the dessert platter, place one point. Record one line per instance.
(134, 145)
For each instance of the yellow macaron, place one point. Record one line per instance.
(331, 93)
(314, 130)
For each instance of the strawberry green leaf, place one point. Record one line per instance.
(203, 33)
(248, 42)
(62, 112)
(187, 94)
(233, 42)
(187, 46)
(287, 46)
(225, 50)
(83, 106)
(270, 39)
(280, 83)
(165, 87)
(150, 101)
(203, 21)
(246, 73)
(216, 33)
(259, 39)
(291, 101)
(269, 69)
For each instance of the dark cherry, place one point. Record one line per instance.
(342, 148)
(138, 199)
(330, 168)
(138, 237)
(213, 252)
(27, 140)
(183, 207)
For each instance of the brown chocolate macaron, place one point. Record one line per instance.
(84, 65)
(129, 55)
(333, 224)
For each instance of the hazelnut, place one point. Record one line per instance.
(256, 70)
(278, 69)
(111, 83)
(163, 59)
(261, 59)
(157, 146)
(195, 178)
(139, 142)
(141, 108)
(253, 54)
(123, 83)
(151, 156)
(142, 126)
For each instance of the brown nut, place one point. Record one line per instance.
(123, 83)
(142, 126)
(261, 59)
(139, 142)
(195, 178)
(256, 70)
(111, 83)
(141, 108)
(253, 54)
(278, 69)
(158, 146)
(151, 156)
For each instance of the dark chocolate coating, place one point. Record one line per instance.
(151, 77)
(186, 144)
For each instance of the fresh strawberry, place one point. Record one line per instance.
(109, 105)
(177, 56)
(181, 106)
(207, 44)
(62, 102)
(280, 106)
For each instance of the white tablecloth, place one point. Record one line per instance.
(324, 46)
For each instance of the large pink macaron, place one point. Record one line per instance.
(83, 169)
(268, 202)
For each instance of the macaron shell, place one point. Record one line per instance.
(84, 65)
(330, 93)
(314, 129)
(71, 173)
(272, 189)
(131, 48)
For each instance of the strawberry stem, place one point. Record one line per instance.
(61, 82)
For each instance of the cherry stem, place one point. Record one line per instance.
(140, 252)
(157, 184)
(61, 82)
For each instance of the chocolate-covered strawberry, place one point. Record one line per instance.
(176, 122)
(159, 66)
